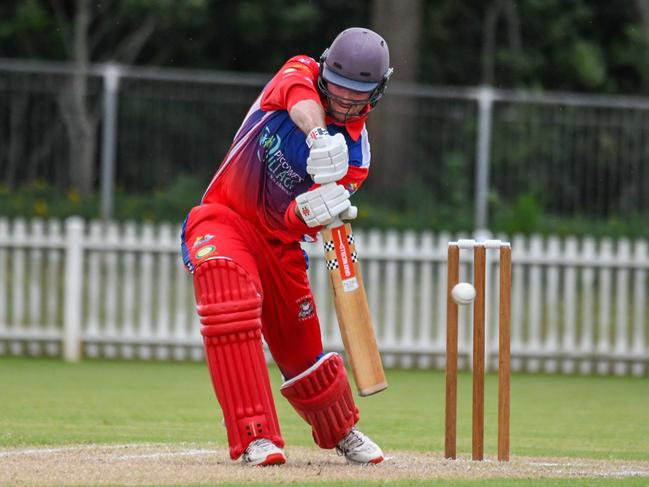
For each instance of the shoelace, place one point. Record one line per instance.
(352, 440)
(265, 445)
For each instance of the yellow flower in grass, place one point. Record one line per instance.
(40, 207)
(74, 196)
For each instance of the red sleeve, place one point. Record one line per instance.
(354, 178)
(294, 223)
(352, 181)
(295, 81)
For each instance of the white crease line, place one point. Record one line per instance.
(26, 452)
(580, 467)
(185, 453)
(623, 473)
(92, 447)
(38, 451)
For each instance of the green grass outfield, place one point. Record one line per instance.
(48, 402)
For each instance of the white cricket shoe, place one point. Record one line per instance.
(358, 448)
(263, 452)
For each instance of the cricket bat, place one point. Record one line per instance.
(352, 310)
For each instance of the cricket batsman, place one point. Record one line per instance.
(299, 154)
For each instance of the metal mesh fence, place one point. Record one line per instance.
(574, 160)
(33, 137)
(572, 155)
(445, 138)
(171, 128)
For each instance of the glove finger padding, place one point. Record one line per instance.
(328, 159)
(321, 205)
(336, 199)
(335, 195)
(336, 208)
(329, 144)
(328, 151)
(337, 147)
(349, 214)
(315, 164)
(328, 178)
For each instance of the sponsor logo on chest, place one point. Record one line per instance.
(277, 166)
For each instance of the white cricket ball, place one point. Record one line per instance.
(463, 293)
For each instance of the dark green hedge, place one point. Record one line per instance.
(524, 216)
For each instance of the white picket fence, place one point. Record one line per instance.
(120, 291)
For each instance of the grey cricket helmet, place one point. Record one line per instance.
(358, 59)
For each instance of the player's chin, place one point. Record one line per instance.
(338, 116)
(344, 117)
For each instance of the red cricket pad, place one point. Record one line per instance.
(229, 305)
(322, 396)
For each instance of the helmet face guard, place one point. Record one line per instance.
(358, 60)
(374, 95)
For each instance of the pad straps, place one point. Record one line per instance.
(322, 396)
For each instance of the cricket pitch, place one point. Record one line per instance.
(177, 464)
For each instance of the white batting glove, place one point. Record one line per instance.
(328, 157)
(322, 205)
(349, 214)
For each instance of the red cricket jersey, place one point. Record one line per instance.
(265, 168)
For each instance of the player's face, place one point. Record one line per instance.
(345, 103)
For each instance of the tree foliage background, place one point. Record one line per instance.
(577, 45)
(591, 46)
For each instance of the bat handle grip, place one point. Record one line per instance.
(336, 222)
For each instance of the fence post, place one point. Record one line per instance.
(112, 73)
(73, 289)
(486, 97)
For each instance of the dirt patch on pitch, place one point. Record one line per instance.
(201, 464)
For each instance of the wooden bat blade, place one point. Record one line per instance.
(352, 310)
